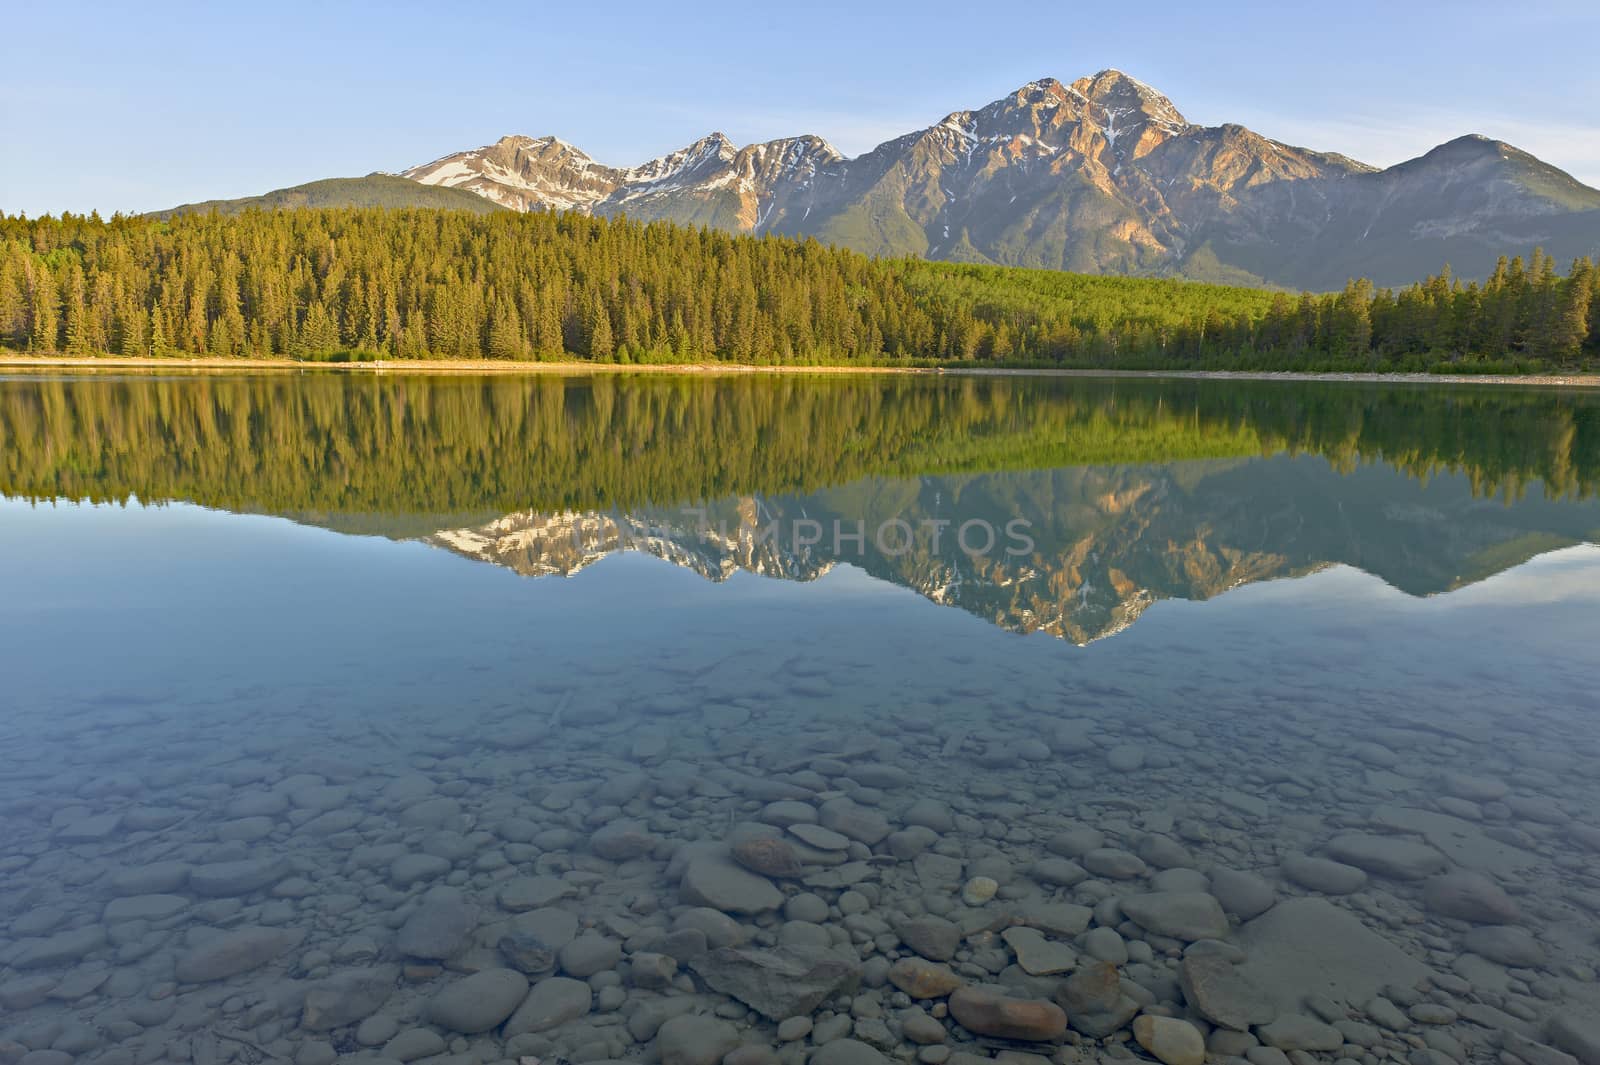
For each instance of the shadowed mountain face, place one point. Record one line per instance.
(1101, 175)
(1040, 504)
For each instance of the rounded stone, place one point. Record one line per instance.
(478, 1002)
(1170, 1040)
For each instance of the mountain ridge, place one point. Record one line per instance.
(1104, 174)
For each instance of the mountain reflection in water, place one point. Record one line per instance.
(1086, 500)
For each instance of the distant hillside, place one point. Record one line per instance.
(374, 190)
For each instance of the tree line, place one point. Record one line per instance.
(457, 450)
(320, 284)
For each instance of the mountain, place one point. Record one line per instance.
(1104, 175)
(710, 182)
(374, 190)
(1107, 542)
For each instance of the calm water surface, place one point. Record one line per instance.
(340, 711)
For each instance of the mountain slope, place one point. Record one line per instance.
(374, 190)
(1103, 175)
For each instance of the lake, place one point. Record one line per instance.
(761, 720)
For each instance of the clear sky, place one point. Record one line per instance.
(141, 106)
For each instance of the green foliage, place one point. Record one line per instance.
(412, 283)
(397, 443)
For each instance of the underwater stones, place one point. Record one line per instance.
(1170, 1040)
(1056, 918)
(622, 841)
(1576, 1033)
(1185, 915)
(990, 1011)
(1113, 864)
(824, 839)
(1390, 856)
(1058, 872)
(348, 997)
(1505, 944)
(1106, 944)
(438, 928)
(930, 814)
(233, 952)
(786, 812)
(532, 940)
(1322, 874)
(411, 869)
(921, 1028)
(1075, 842)
(846, 1052)
(1216, 989)
(1475, 788)
(1163, 852)
(716, 927)
(979, 890)
(551, 1002)
(1037, 955)
(478, 1002)
(1244, 895)
(1095, 1002)
(932, 937)
(650, 970)
(1469, 896)
(532, 892)
(1294, 1031)
(232, 879)
(144, 908)
(92, 829)
(694, 1039)
(526, 952)
(1125, 757)
(923, 979)
(155, 878)
(590, 953)
(1308, 946)
(779, 983)
(715, 880)
(767, 856)
(849, 818)
(59, 949)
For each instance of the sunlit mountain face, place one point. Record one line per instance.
(1061, 506)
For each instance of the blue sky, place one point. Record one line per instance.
(141, 106)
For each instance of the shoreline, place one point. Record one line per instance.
(13, 362)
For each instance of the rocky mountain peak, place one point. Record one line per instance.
(1101, 175)
(1130, 101)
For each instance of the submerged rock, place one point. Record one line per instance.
(767, 856)
(1186, 915)
(478, 1002)
(780, 983)
(923, 979)
(348, 997)
(990, 1011)
(1170, 1040)
(1469, 896)
(437, 929)
(1390, 856)
(1217, 990)
(715, 880)
(695, 1040)
(1094, 1000)
(236, 951)
(553, 1001)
